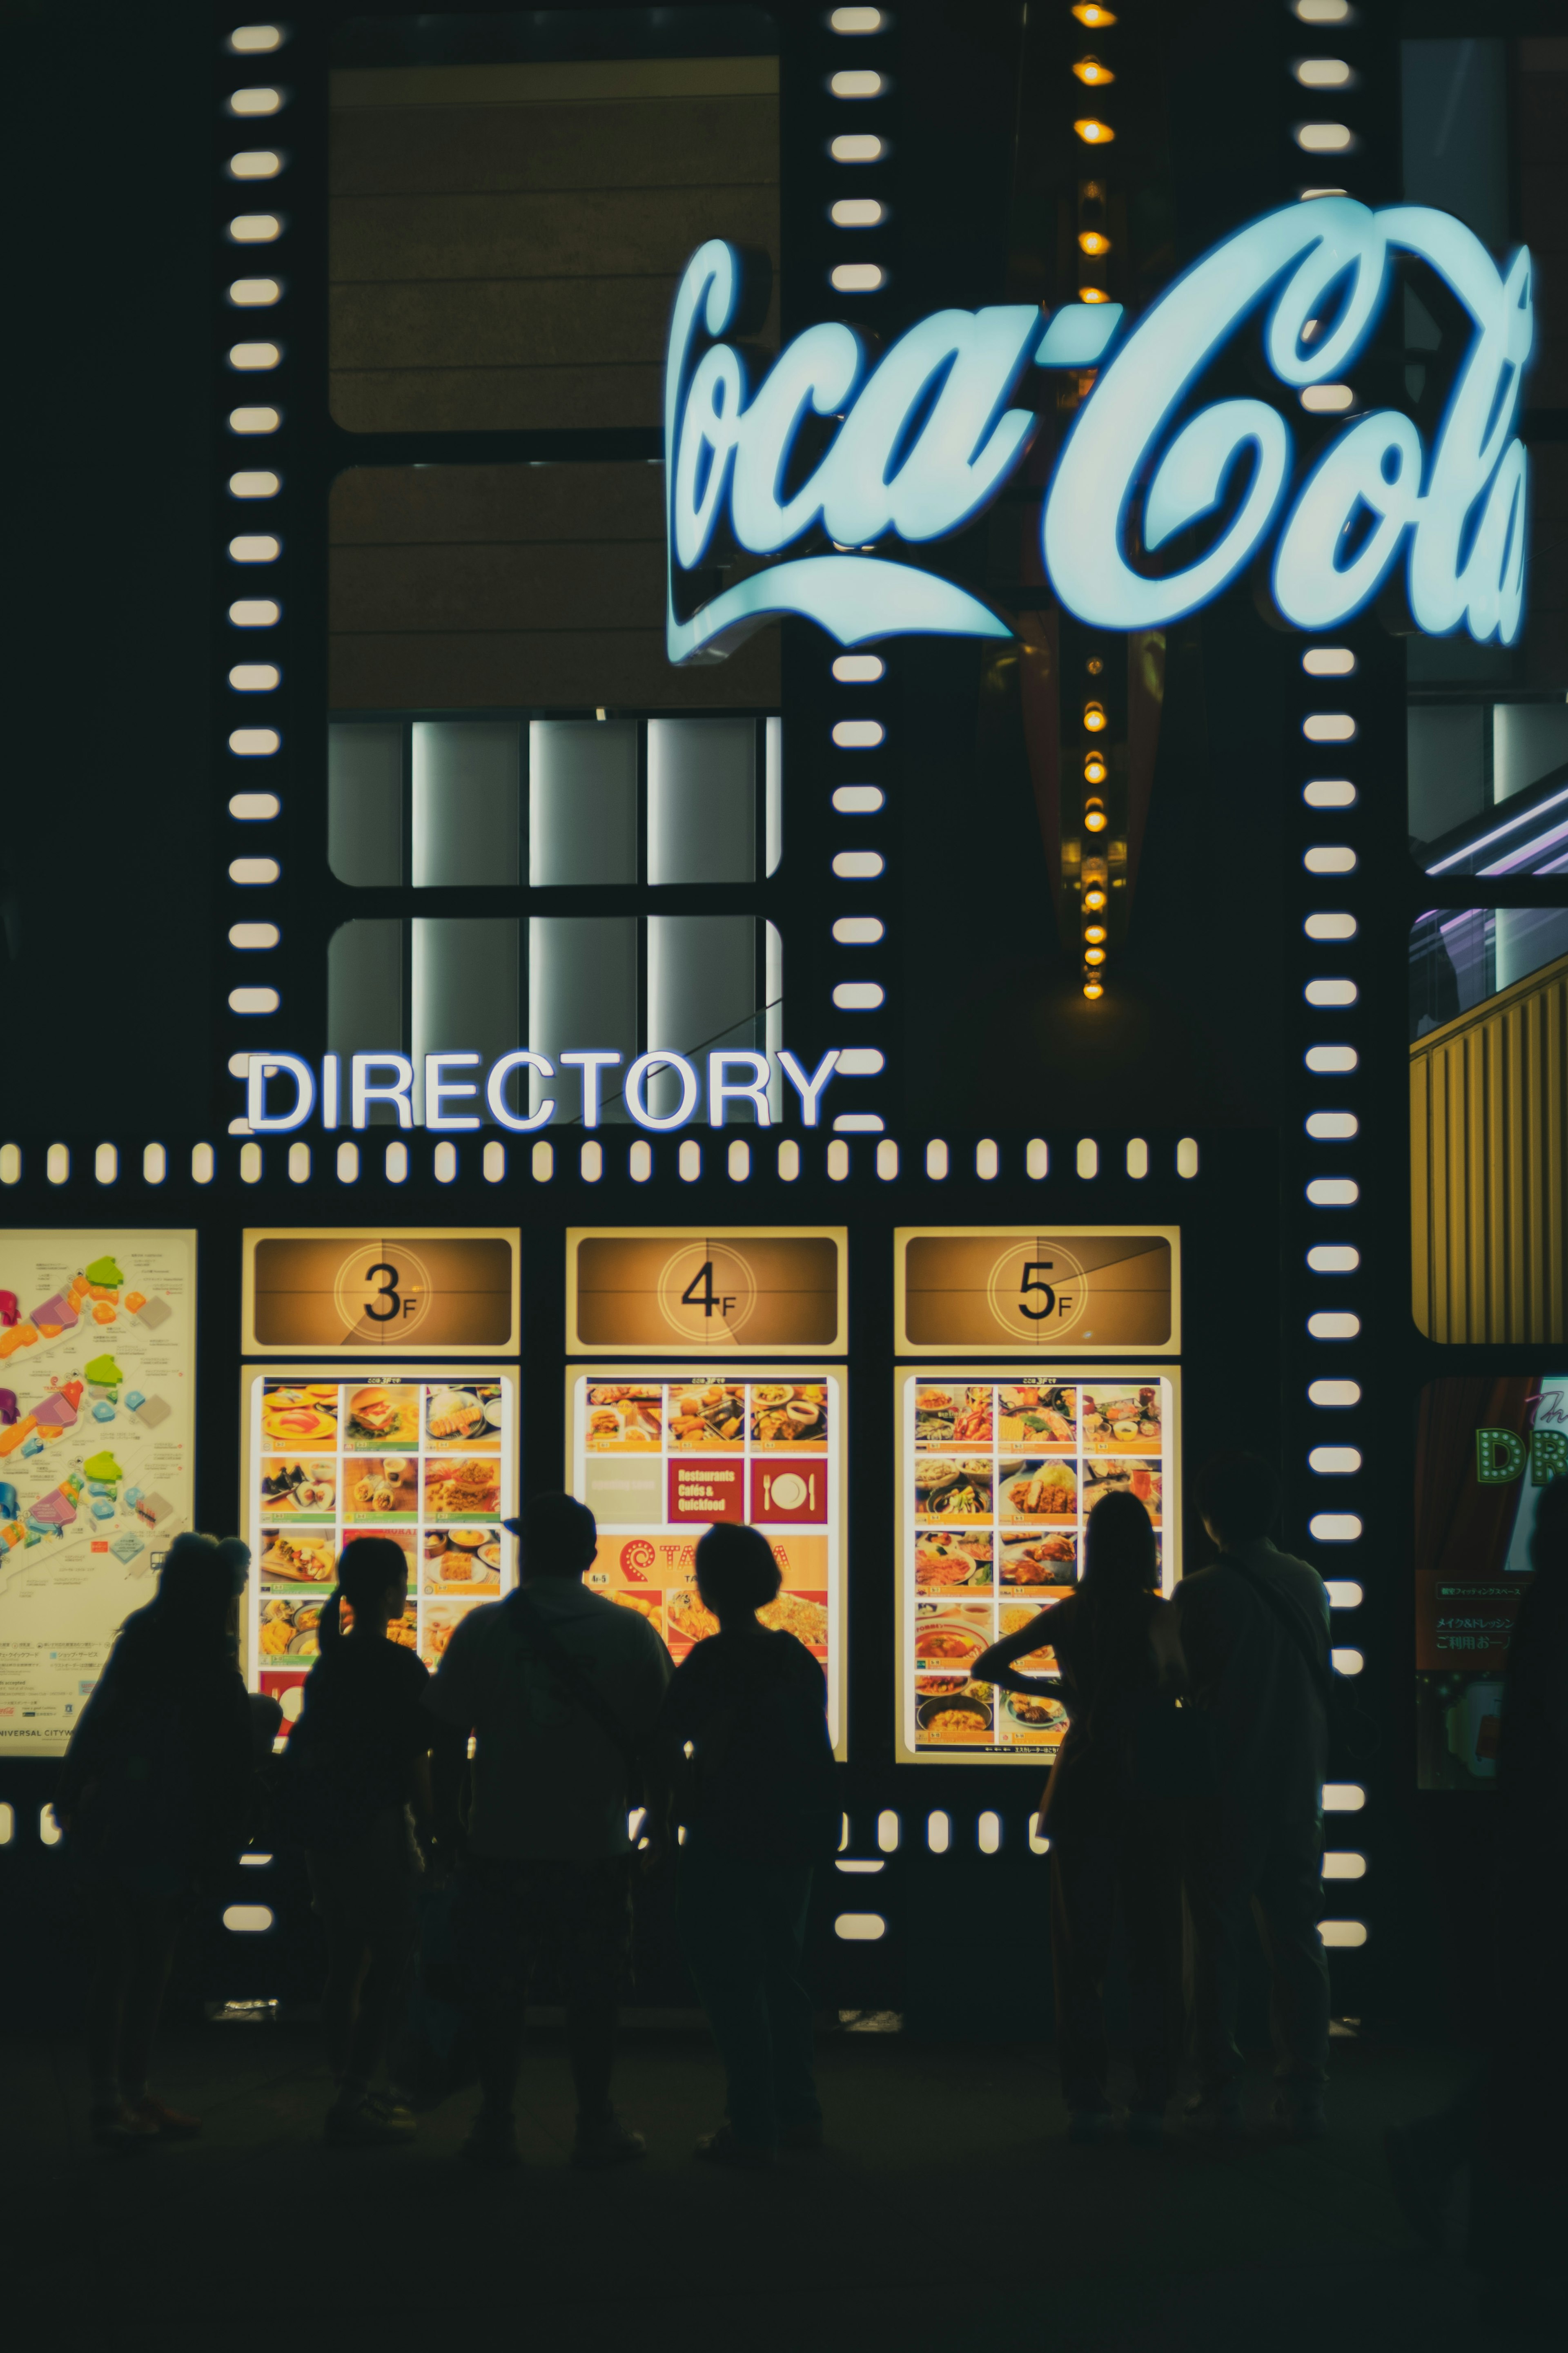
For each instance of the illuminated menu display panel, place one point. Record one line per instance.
(96, 1370)
(1085, 1287)
(683, 1290)
(426, 1456)
(658, 1455)
(336, 1287)
(998, 1471)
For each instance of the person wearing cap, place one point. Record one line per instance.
(559, 1689)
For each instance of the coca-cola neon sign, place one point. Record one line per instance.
(925, 439)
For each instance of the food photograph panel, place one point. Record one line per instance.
(424, 1457)
(998, 1474)
(659, 1456)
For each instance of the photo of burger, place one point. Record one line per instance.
(383, 1415)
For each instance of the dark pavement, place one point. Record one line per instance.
(948, 2210)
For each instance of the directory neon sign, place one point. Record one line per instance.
(1158, 500)
(447, 1094)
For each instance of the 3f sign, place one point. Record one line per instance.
(1158, 500)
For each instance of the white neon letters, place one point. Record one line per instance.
(927, 439)
(734, 1076)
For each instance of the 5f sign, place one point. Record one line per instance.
(1158, 500)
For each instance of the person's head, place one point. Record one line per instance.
(736, 1573)
(372, 1578)
(1118, 1556)
(560, 1536)
(196, 1596)
(1239, 1495)
(1549, 1537)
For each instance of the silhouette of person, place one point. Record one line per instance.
(560, 1690)
(1254, 1629)
(760, 1813)
(357, 1773)
(1112, 1640)
(154, 1791)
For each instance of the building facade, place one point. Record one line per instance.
(835, 852)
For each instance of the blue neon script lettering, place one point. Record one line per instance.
(926, 441)
(1460, 513)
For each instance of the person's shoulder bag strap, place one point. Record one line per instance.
(547, 1646)
(1317, 1664)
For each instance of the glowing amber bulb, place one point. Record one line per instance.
(1094, 816)
(1090, 240)
(1091, 70)
(1092, 987)
(1096, 935)
(1092, 294)
(1094, 717)
(1094, 665)
(1094, 769)
(1093, 133)
(1094, 900)
(1090, 13)
(1094, 955)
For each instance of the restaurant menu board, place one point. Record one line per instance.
(676, 1287)
(425, 1457)
(658, 1457)
(1089, 1288)
(998, 1473)
(339, 1287)
(96, 1340)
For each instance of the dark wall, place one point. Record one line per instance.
(108, 155)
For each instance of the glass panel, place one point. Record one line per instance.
(582, 992)
(582, 800)
(364, 803)
(1453, 103)
(465, 995)
(465, 801)
(1446, 747)
(701, 800)
(701, 992)
(365, 995)
(774, 794)
(1529, 740)
(1451, 966)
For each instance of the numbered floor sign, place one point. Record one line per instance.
(1089, 1288)
(652, 1288)
(330, 1288)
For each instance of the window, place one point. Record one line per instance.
(556, 882)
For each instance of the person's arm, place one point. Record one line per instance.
(992, 1666)
(451, 1701)
(667, 1692)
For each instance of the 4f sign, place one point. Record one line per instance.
(1157, 502)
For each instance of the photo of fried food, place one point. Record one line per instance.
(466, 1490)
(689, 1621)
(700, 1413)
(1039, 1491)
(802, 1615)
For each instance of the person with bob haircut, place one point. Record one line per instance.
(153, 1795)
(356, 1793)
(1255, 1637)
(760, 1810)
(1113, 1645)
